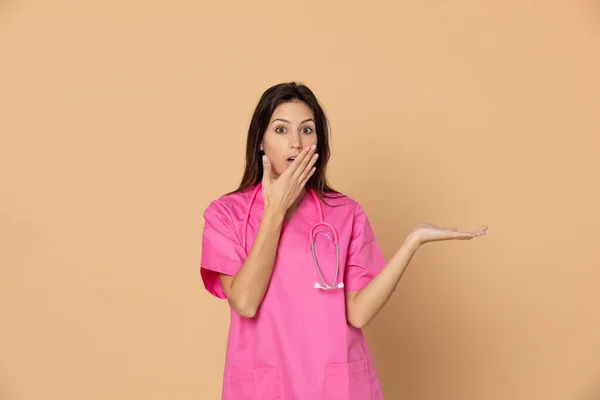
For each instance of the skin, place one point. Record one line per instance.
(362, 306)
(291, 132)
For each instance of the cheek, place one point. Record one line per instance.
(274, 154)
(278, 165)
(274, 145)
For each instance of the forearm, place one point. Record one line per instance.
(250, 283)
(371, 299)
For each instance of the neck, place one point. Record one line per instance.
(299, 198)
(295, 204)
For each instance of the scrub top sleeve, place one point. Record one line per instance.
(222, 251)
(364, 260)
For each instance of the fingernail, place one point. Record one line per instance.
(264, 158)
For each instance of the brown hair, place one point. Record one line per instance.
(271, 98)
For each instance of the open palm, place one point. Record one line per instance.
(424, 233)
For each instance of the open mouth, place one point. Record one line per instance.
(290, 160)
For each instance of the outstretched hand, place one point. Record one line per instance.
(424, 233)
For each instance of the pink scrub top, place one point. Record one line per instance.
(299, 345)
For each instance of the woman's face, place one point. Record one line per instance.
(291, 129)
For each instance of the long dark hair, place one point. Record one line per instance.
(271, 98)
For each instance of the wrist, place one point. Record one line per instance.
(273, 213)
(412, 242)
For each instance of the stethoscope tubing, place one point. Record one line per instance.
(311, 237)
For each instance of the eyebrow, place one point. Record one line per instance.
(285, 120)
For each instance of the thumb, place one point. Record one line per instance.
(449, 228)
(266, 170)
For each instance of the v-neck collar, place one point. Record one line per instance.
(259, 202)
(298, 209)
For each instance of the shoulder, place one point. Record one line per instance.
(230, 205)
(234, 205)
(343, 202)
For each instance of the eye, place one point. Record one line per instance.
(307, 130)
(279, 129)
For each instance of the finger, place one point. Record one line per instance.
(469, 235)
(297, 161)
(449, 228)
(306, 166)
(463, 236)
(481, 231)
(310, 173)
(307, 157)
(266, 170)
(306, 174)
(426, 225)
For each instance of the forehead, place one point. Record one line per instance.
(293, 111)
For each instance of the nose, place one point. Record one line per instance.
(295, 141)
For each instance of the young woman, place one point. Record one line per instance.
(298, 263)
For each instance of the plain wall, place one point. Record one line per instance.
(121, 120)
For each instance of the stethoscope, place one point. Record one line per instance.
(311, 237)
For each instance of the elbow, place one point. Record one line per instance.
(239, 301)
(355, 316)
(243, 309)
(357, 325)
(357, 322)
(246, 312)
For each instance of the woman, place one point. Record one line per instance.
(297, 311)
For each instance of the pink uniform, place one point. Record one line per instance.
(299, 345)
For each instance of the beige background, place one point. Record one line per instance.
(122, 120)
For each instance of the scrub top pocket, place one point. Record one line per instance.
(249, 384)
(348, 381)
